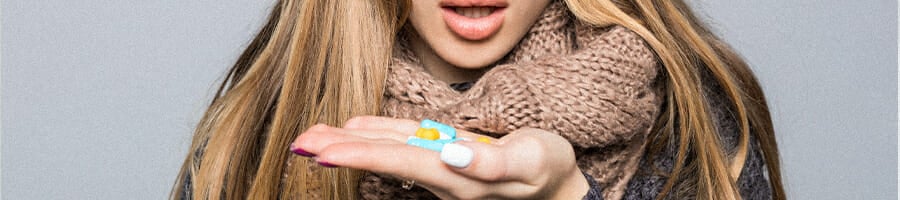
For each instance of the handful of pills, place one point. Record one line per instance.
(439, 137)
(433, 135)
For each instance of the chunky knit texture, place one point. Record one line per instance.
(592, 85)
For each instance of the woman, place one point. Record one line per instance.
(628, 99)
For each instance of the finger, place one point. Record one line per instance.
(480, 161)
(404, 126)
(385, 123)
(400, 160)
(316, 138)
(375, 134)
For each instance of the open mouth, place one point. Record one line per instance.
(474, 20)
(474, 12)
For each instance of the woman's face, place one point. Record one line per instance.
(472, 34)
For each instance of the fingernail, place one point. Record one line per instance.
(301, 152)
(326, 164)
(456, 155)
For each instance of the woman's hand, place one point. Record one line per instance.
(526, 164)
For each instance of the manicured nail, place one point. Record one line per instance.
(301, 152)
(326, 164)
(456, 155)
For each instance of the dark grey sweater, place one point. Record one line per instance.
(753, 181)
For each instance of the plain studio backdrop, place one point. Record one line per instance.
(99, 98)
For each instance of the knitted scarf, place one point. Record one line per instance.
(595, 86)
(592, 85)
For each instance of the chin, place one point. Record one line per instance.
(477, 63)
(469, 55)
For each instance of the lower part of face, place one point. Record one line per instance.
(473, 34)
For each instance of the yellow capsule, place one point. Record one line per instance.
(428, 133)
(484, 140)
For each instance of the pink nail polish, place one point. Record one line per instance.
(301, 152)
(326, 164)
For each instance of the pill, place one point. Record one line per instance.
(447, 132)
(428, 133)
(427, 144)
(484, 140)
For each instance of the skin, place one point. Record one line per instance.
(454, 59)
(524, 164)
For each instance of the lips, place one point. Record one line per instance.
(473, 19)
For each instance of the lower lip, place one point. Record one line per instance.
(474, 28)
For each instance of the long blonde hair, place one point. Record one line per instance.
(326, 61)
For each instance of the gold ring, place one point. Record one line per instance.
(408, 184)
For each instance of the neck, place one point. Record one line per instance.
(438, 67)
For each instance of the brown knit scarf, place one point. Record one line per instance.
(595, 86)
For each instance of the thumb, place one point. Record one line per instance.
(520, 156)
(485, 162)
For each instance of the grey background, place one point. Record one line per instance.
(99, 97)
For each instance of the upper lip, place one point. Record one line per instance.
(473, 3)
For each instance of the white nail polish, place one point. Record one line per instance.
(456, 155)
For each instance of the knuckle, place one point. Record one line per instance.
(318, 128)
(357, 122)
(538, 150)
(544, 139)
(531, 142)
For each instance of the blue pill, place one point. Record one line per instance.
(447, 132)
(427, 144)
(448, 141)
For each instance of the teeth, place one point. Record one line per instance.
(474, 12)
